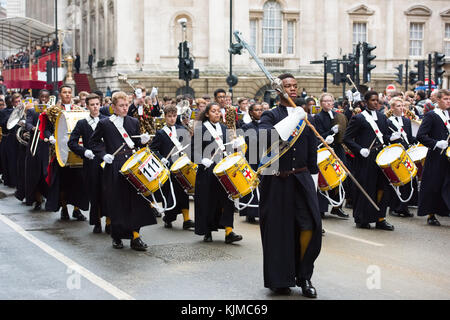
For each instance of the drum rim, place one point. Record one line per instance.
(125, 165)
(395, 145)
(222, 162)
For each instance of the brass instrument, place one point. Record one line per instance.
(23, 136)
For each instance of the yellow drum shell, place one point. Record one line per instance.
(131, 171)
(236, 175)
(185, 172)
(331, 174)
(448, 153)
(397, 165)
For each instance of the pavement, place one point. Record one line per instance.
(42, 257)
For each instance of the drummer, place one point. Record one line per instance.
(434, 133)
(128, 211)
(65, 184)
(401, 124)
(91, 165)
(326, 125)
(171, 136)
(36, 166)
(213, 209)
(366, 135)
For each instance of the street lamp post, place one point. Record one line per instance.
(325, 59)
(55, 84)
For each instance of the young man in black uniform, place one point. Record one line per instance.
(91, 164)
(127, 210)
(291, 228)
(172, 135)
(367, 128)
(434, 132)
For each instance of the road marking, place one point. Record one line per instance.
(355, 238)
(96, 280)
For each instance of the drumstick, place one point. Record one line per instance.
(334, 154)
(114, 154)
(448, 140)
(373, 142)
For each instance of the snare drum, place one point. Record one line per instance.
(418, 154)
(145, 172)
(396, 165)
(185, 172)
(448, 153)
(331, 175)
(64, 125)
(236, 176)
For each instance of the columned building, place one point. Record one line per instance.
(286, 35)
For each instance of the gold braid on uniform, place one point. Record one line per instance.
(52, 114)
(408, 114)
(146, 123)
(230, 117)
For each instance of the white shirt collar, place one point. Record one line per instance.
(67, 107)
(373, 113)
(218, 128)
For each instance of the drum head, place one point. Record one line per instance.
(180, 163)
(322, 155)
(134, 160)
(418, 153)
(15, 117)
(389, 155)
(227, 163)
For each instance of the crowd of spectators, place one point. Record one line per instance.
(22, 58)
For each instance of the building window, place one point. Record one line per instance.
(290, 37)
(359, 34)
(253, 33)
(272, 28)
(415, 39)
(447, 40)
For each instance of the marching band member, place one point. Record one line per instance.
(213, 209)
(128, 211)
(143, 112)
(434, 132)
(291, 228)
(364, 129)
(65, 184)
(172, 135)
(91, 164)
(36, 166)
(323, 122)
(251, 131)
(399, 123)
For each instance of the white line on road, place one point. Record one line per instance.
(96, 280)
(355, 239)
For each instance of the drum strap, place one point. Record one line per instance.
(443, 117)
(118, 123)
(215, 135)
(399, 127)
(173, 136)
(374, 125)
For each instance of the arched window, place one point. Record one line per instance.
(272, 28)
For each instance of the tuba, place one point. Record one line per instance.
(23, 136)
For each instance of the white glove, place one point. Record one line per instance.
(329, 140)
(108, 158)
(335, 129)
(207, 162)
(154, 93)
(286, 127)
(22, 123)
(357, 97)
(349, 95)
(89, 154)
(52, 140)
(238, 143)
(396, 135)
(315, 178)
(165, 161)
(145, 138)
(443, 144)
(365, 152)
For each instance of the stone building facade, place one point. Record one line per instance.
(286, 34)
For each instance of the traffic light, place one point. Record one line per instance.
(438, 67)
(399, 74)
(367, 60)
(413, 77)
(420, 65)
(186, 63)
(349, 69)
(337, 78)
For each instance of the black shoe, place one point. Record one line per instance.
(98, 229)
(138, 245)
(232, 237)
(323, 232)
(65, 214)
(108, 229)
(37, 206)
(384, 225)
(433, 221)
(76, 214)
(281, 291)
(168, 225)
(188, 224)
(363, 225)
(307, 289)
(117, 244)
(250, 219)
(348, 205)
(322, 215)
(339, 212)
(207, 237)
(158, 214)
(404, 214)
